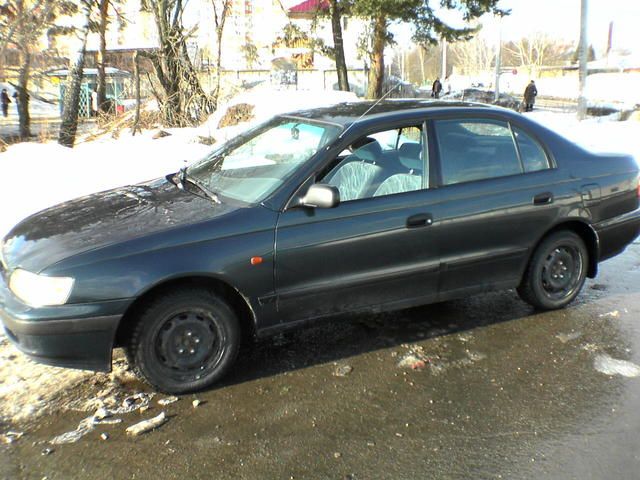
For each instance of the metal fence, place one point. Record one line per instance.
(301, 79)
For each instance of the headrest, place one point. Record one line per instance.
(370, 152)
(412, 150)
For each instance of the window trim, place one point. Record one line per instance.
(550, 163)
(345, 141)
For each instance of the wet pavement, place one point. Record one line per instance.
(478, 388)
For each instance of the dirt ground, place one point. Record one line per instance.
(480, 388)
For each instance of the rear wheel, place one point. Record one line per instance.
(184, 341)
(556, 272)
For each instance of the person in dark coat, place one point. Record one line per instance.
(5, 100)
(530, 94)
(436, 88)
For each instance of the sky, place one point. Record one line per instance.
(561, 19)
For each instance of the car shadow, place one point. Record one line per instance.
(343, 336)
(338, 338)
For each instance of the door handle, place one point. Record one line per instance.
(419, 220)
(543, 198)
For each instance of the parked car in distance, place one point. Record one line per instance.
(357, 207)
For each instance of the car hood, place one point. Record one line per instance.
(103, 219)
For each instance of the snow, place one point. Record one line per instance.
(597, 134)
(621, 89)
(613, 366)
(269, 102)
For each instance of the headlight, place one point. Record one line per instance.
(38, 290)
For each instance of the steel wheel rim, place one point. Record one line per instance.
(188, 345)
(561, 272)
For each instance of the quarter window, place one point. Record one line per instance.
(531, 153)
(475, 150)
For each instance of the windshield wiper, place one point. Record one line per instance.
(182, 178)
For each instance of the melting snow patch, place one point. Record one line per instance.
(567, 337)
(612, 366)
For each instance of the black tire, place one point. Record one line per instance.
(556, 272)
(184, 341)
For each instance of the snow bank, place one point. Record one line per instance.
(38, 176)
(269, 102)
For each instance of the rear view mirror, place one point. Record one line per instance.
(321, 196)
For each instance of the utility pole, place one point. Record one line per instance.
(498, 62)
(444, 59)
(582, 73)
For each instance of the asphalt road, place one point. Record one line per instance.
(498, 391)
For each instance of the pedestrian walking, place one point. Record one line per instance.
(530, 94)
(5, 100)
(436, 88)
(94, 103)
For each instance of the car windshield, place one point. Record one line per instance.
(252, 166)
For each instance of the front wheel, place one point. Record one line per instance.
(556, 272)
(184, 341)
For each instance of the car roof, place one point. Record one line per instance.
(349, 112)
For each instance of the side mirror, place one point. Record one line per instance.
(321, 196)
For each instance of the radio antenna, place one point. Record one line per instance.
(370, 108)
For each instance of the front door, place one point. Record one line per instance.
(377, 248)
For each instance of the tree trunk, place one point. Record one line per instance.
(421, 53)
(376, 73)
(23, 93)
(338, 45)
(102, 30)
(136, 74)
(71, 103)
(216, 93)
(183, 102)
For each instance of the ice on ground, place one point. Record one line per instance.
(567, 337)
(147, 425)
(613, 366)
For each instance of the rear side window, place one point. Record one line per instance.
(531, 152)
(475, 149)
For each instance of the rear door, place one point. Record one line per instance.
(498, 196)
(376, 247)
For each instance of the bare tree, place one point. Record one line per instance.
(103, 24)
(22, 23)
(473, 56)
(221, 9)
(535, 51)
(181, 97)
(71, 101)
(337, 10)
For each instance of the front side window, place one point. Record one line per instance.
(475, 149)
(255, 164)
(382, 163)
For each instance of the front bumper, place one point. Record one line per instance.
(617, 233)
(75, 336)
